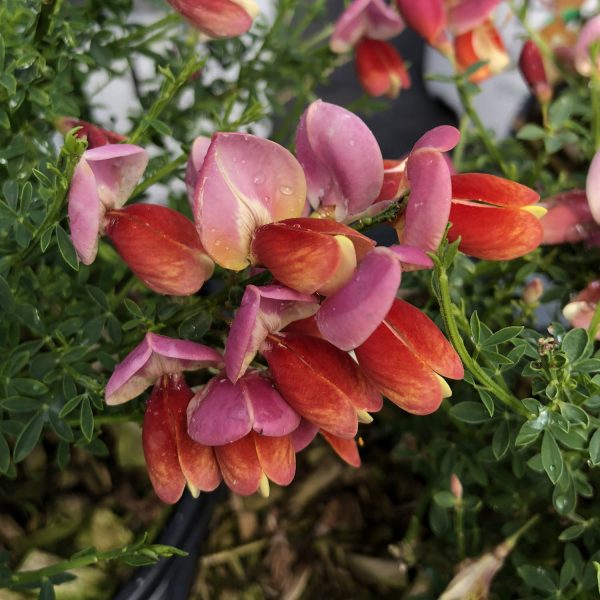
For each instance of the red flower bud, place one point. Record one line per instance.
(380, 68)
(96, 136)
(532, 68)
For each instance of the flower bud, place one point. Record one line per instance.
(533, 291)
(456, 487)
(533, 71)
(381, 70)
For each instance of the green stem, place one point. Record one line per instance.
(38, 575)
(593, 328)
(460, 528)
(140, 33)
(595, 94)
(169, 90)
(159, 175)
(488, 142)
(446, 309)
(511, 542)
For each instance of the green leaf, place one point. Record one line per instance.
(86, 419)
(501, 440)
(29, 387)
(595, 448)
(572, 533)
(560, 111)
(574, 414)
(470, 412)
(47, 591)
(4, 455)
(133, 308)
(475, 327)
(574, 344)
(444, 499)
(71, 405)
(2, 52)
(45, 239)
(7, 302)
(552, 459)
(98, 296)
(195, 327)
(28, 437)
(597, 567)
(537, 577)
(531, 132)
(66, 248)
(503, 335)
(487, 400)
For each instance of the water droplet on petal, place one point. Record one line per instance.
(259, 178)
(286, 190)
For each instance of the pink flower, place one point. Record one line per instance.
(218, 18)
(365, 18)
(244, 182)
(580, 311)
(155, 356)
(569, 218)
(341, 159)
(588, 36)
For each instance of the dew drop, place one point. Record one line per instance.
(286, 190)
(259, 178)
(352, 143)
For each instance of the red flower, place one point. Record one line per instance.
(172, 457)
(96, 136)
(321, 383)
(532, 68)
(405, 357)
(381, 70)
(496, 219)
(161, 247)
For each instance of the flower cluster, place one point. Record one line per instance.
(315, 350)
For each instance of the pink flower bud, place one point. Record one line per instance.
(533, 291)
(456, 487)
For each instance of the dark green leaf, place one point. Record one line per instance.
(66, 248)
(28, 437)
(470, 412)
(537, 577)
(195, 327)
(595, 448)
(444, 499)
(503, 335)
(47, 591)
(574, 344)
(531, 132)
(501, 439)
(86, 419)
(572, 533)
(4, 454)
(6, 298)
(551, 457)
(30, 387)
(475, 327)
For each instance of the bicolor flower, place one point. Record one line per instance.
(531, 65)
(218, 18)
(263, 310)
(365, 18)
(496, 219)
(310, 255)
(406, 359)
(424, 222)
(249, 425)
(173, 459)
(481, 44)
(381, 69)
(341, 159)
(429, 19)
(244, 182)
(103, 180)
(161, 247)
(95, 136)
(155, 356)
(580, 311)
(333, 393)
(569, 218)
(223, 412)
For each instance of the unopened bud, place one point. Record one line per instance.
(533, 291)
(456, 487)
(533, 71)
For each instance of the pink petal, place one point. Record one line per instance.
(117, 169)
(263, 310)
(218, 414)
(589, 34)
(348, 317)
(412, 258)
(428, 208)
(304, 435)
(341, 159)
(468, 14)
(271, 414)
(365, 18)
(426, 17)
(156, 355)
(592, 187)
(580, 311)
(443, 138)
(568, 219)
(218, 18)
(194, 164)
(86, 213)
(245, 182)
